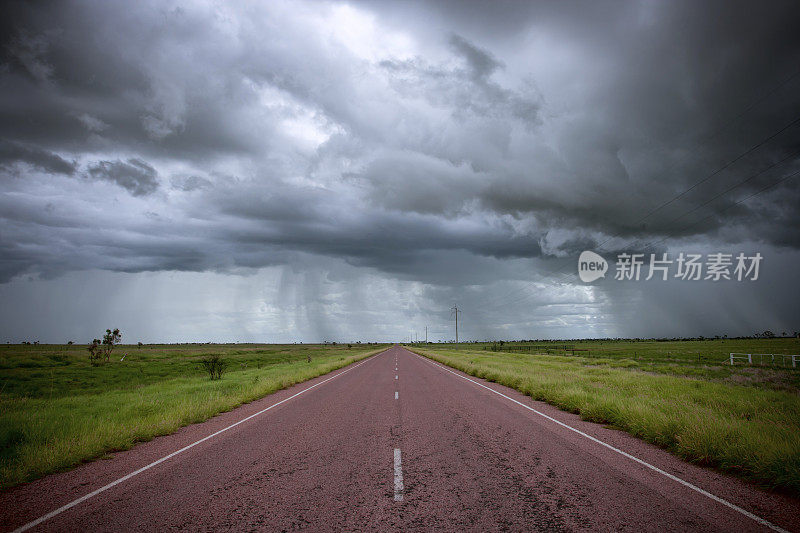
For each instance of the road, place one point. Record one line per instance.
(395, 443)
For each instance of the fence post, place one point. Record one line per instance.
(731, 356)
(750, 358)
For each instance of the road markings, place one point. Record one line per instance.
(395, 377)
(104, 488)
(717, 499)
(396, 394)
(398, 476)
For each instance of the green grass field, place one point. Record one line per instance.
(707, 359)
(57, 410)
(677, 395)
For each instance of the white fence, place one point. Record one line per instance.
(770, 358)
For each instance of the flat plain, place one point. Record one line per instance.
(395, 442)
(58, 410)
(683, 396)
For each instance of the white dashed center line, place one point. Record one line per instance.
(398, 476)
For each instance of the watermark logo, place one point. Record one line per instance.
(591, 266)
(684, 266)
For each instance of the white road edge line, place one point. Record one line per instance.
(104, 488)
(396, 395)
(717, 499)
(398, 476)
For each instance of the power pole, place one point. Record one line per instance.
(426, 334)
(456, 311)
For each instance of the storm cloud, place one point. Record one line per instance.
(134, 174)
(456, 151)
(12, 154)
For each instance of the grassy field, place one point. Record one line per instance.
(742, 419)
(707, 359)
(57, 410)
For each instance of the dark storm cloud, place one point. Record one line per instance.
(134, 174)
(66, 76)
(407, 138)
(11, 153)
(646, 92)
(462, 89)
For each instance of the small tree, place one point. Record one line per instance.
(101, 350)
(94, 351)
(110, 339)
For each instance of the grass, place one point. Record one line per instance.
(704, 359)
(56, 410)
(751, 430)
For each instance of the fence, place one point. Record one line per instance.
(771, 358)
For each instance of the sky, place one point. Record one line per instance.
(337, 171)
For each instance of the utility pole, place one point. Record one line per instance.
(456, 311)
(426, 334)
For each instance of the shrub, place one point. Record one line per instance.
(214, 365)
(95, 353)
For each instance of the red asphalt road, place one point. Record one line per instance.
(324, 460)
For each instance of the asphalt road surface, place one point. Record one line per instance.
(395, 443)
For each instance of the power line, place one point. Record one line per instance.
(754, 104)
(775, 184)
(695, 223)
(705, 179)
(720, 169)
(717, 132)
(564, 275)
(719, 195)
(732, 187)
(503, 299)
